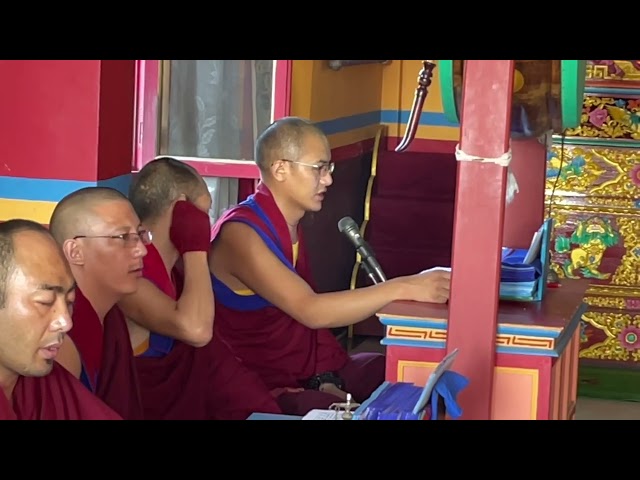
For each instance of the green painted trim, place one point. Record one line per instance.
(612, 92)
(609, 383)
(596, 142)
(447, 91)
(572, 82)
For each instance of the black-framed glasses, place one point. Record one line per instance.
(323, 168)
(130, 239)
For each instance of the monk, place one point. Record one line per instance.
(185, 372)
(104, 242)
(266, 306)
(36, 291)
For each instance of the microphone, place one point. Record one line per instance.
(349, 227)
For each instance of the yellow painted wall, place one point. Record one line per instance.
(399, 82)
(333, 98)
(33, 210)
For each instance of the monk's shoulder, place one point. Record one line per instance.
(236, 233)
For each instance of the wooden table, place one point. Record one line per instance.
(536, 373)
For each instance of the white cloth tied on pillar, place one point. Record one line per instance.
(546, 139)
(503, 160)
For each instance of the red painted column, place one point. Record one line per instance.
(116, 120)
(478, 226)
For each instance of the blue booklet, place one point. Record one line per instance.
(523, 271)
(403, 400)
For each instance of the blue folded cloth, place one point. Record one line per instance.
(449, 385)
(513, 268)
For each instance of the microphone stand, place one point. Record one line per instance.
(365, 266)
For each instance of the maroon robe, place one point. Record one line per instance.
(182, 382)
(108, 369)
(57, 396)
(284, 352)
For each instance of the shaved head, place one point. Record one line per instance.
(284, 139)
(37, 287)
(74, 213)
(101, 237)
(8, 232)
(160, 183)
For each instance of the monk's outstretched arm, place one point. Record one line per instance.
(190, 319)
(249, 260)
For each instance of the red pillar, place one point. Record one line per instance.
(477, 238)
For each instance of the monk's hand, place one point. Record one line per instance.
(431, 286)
(190, 228)
(333, 390)
(276, 392)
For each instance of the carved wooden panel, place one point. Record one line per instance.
(594, 176)
(601, 245)
(612, 335)
(609, 117)
(594, 192)
(613, 73)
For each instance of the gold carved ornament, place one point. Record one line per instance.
(613, 70)
(609, 117)
(600, 173)
(622, 332)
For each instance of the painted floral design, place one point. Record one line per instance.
(634, 173)
(585, 334)
(629, 338)
(609, 117)
(598, 117)
(633, 303)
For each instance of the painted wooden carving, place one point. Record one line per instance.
(595, 206)
(613, 72)
(609, 117)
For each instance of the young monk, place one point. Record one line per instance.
(184, 373)
(266, 307)
(104, 243)
(36, 291)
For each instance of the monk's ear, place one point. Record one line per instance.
(73, 252)
(279, 170)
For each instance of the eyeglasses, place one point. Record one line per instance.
(130, 239)
(323, 168)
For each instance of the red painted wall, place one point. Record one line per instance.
(525, 214)
(60, 117)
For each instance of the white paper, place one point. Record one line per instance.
(318, 414)
(435, 269)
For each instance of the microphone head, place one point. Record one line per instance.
(347, 224)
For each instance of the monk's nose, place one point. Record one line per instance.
(327, 179)
(62, 322)
(140, 250)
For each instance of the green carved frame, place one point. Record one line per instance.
(572, 83)
(573, 75)
(448, 90)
